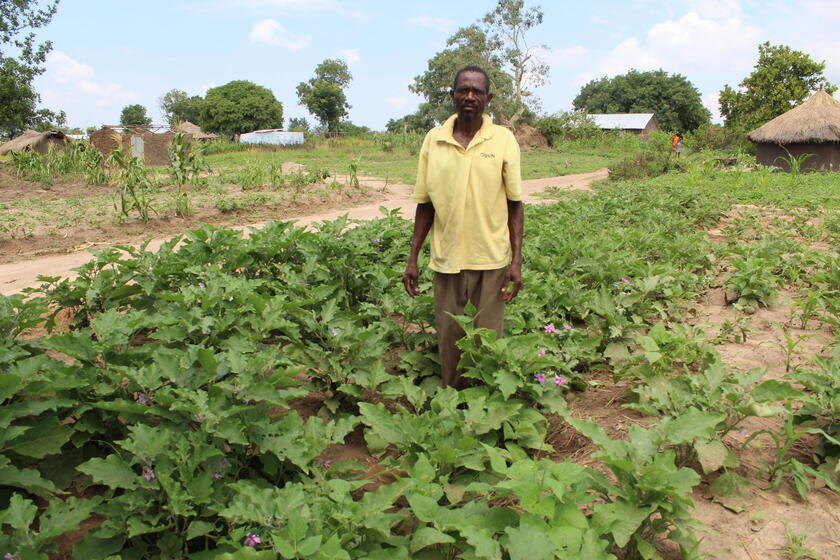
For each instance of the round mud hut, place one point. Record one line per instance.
(810, 128)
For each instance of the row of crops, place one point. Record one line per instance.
(164, 412)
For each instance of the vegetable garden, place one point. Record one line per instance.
(277, 396)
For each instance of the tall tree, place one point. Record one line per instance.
(18, 99)
(240, 106)
(323, 95)
(420, 121)
(468, 46)
(508, 25)
(178, 107)
(499, 45)
(782, 79)
(134, 115)
(671, 97)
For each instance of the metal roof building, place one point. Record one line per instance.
(274, 136)
(635, 123)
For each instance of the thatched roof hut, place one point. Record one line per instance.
(195, 131)
(810, 128)
(35, 141)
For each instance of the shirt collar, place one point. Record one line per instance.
(484, 133)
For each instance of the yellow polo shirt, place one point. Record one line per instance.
(469, 189)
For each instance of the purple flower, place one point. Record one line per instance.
(217, 476)
(325, 463)
(141, 398)
(251, 539)
(201, 285)
(541, 353)
(626, 281)
(558, 380)
(549, 328)
(10, 556)
(149, 474)
(540, 377)
(237, 389)
(224, 463)
(335, 331)
(568, 327)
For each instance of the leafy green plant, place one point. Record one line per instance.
(795, 548)
(135, 188)
(784, 465)
(652, 495)
(752, 282)
(794, 164)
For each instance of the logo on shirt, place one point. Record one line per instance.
(485, 154)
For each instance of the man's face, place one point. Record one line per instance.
(470, 95)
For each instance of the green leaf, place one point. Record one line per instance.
(63, 516)
(425, 508)
(20, 514)
(693, 424)
(27, 479)
(422, 470)
(93, 547)
(332, 550)
(616, 352)
(773, 390)
(527, 542)
(730, 485)
(111, 471)
(309, 545)
(42, 439)
(427, 536)
(621, 518)
(712, 454)
(199, 528)
(248, 553)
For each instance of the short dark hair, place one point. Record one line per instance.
(478, 69)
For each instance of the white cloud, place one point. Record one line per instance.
(78, 83)
(350, 56)
(829, 9)
(270, 32)
(205, 87)
(582, 79)
(66, 70)
(710, 101)
(689, 44)
(436, 23)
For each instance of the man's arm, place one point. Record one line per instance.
(516, 225)
(424, 216)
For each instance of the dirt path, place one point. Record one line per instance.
(16, 276)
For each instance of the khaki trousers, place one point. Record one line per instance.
(452, 292)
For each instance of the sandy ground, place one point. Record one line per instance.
(16, 276)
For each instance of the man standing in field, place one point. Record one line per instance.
(469, 195)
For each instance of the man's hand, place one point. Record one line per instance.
(411, 278)
(513, 282)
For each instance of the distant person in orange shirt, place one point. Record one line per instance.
(676, 142)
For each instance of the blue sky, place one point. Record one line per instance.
(108, 54)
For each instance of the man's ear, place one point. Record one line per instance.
(489, 98)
